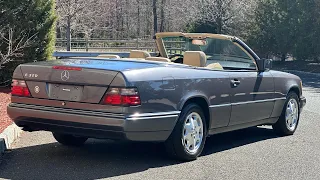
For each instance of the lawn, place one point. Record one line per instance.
(5, 121)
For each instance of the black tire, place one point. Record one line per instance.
(174, 144)
(280, 127)
(69, 140)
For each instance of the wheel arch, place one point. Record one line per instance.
(294, 89)
(200, 101)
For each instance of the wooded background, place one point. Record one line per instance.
(273, 28)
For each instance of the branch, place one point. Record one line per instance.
(14, 49)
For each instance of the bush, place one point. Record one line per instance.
(27, 19)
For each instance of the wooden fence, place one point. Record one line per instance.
(107, 45)
(87, 45)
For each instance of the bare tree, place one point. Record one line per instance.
(155, 17)
(143, 18)
(162, 15)
(228, 15)
(73, 13)
(14, 45)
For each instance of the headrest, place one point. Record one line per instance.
(162, 59)
(109, 56)
(139, 54)
(195, 58)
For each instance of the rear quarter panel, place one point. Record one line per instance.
(165, 89)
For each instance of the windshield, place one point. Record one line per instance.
(225, 52)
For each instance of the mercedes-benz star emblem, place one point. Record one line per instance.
(65, 75)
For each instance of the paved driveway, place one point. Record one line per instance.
(254, 153)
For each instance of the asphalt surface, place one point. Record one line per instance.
(254, 153)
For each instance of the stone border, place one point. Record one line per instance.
(8, 136)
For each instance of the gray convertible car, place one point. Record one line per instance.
(198, 85)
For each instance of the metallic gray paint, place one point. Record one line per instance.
(133, 128)
(164, 90)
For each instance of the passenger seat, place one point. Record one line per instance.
(139, 54)
(195, 58)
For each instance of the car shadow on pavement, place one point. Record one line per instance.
(104, 158)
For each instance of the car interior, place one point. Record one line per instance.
(192, 58)
(209, 53)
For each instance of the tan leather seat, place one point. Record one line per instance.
(161, 59)
(139, 54)
(215, 66)
(109, 56)
(195, 58)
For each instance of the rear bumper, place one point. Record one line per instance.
(137, 127)
(303, 102)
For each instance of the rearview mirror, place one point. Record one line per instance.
(199, 42)
(264, 64)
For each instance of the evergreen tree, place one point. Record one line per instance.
(34, 19)
(273, 32)
(307, 30)
(284, 28)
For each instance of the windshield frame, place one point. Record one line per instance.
(245, 48)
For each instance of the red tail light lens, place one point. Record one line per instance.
(122, 96)
(19, 88)
(67, 68)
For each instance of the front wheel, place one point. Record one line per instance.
(187, 140)
(69, 140)
(289, 119)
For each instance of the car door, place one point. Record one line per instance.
(252, 92)
(252, 96)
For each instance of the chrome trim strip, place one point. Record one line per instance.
(219, 105)
(283, 98)
(240, 94)
(151, 117)
(257, 101)
(247, 102)
(154, 114)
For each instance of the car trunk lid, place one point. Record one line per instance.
(74, 80)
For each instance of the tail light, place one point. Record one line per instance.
(67, 68)
(19, 88)
(122, 97)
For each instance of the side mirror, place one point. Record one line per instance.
(264, 64)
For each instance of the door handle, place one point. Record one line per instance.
(235, 82)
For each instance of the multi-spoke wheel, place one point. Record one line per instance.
(192, 133)
(187, 140)
(292, 114)
(289, 119)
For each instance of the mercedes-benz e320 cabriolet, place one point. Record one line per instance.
(198, 85)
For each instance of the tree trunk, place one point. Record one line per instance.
(155, 17)
(283, 57)
(69, 34)
(138, 26)
(219, 18)
(163, 2)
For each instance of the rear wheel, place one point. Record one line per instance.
(187, 140)
(69, 140)
(289, 119)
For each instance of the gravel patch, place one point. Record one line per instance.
(5, 121)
